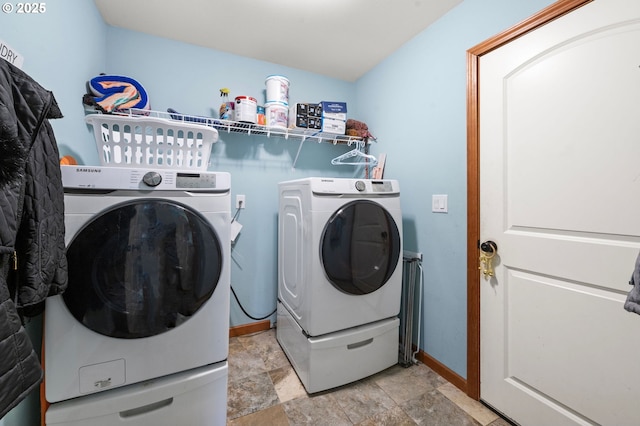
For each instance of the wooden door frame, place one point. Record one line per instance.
(543, 17)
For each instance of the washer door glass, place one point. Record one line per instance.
(360, 247)
(142, 268)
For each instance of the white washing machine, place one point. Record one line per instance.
(149, 279)
(339, 278)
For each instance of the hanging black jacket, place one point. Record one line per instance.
(32, 253)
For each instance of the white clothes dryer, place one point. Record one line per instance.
(339, 278)
(339, 252)
(149, 279)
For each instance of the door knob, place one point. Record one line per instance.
(489, 247)
(488, 250)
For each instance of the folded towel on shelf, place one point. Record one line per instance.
(116, 92)
(632, 303)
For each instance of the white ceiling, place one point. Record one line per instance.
(338, 38)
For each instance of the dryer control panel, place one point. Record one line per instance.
(347, 186)
(381, 186)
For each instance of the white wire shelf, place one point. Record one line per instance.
(249, 128)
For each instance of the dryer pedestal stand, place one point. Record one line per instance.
(338, 358)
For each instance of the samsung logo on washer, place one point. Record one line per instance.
(87, 170)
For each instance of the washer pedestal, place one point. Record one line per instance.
(341, 357)
(195, 397)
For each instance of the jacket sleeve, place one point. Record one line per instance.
(42, 267)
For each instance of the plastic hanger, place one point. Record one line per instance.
(355, 157)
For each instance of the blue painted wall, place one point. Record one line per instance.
(414, 102)
(61, 47)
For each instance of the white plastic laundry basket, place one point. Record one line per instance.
(151, 142)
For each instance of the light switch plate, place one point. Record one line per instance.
(439, 203)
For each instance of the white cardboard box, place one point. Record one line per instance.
(330, 125)
(334, 110)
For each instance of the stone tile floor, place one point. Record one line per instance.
(265, 390)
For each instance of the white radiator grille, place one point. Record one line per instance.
(411, 307)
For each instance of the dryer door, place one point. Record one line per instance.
(360, 247)
(142, 268)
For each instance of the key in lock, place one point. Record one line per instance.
(488, 250)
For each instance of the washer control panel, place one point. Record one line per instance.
(152, 179)
(195, 180)
(114, 178)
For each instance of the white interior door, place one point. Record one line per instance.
(560, 195)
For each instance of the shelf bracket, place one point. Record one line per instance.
(304, 138)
